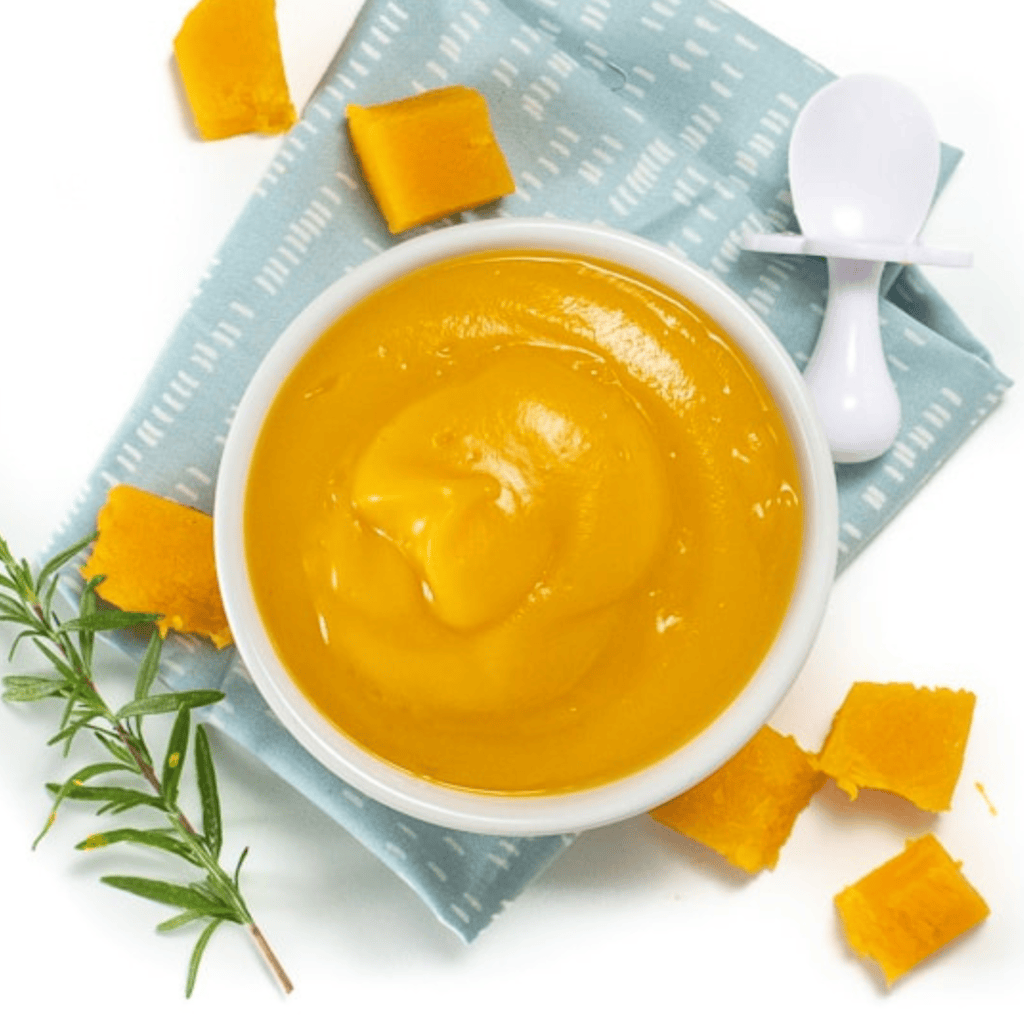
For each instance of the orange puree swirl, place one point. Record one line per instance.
(522, 522)
(497, 521)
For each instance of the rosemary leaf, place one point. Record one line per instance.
(62, 558)
(164, 703)
(60, 793)
(174, 759)
(72, 724)
(53, 657)
(168, 893)
(86, 607)
(82, 775)
(148, 667)
(29, 633)
(197, 955)
(238, 866)
(179, 920)
(46, 601)
(159, 839)
(25, 689)
(107, 620)
(120, 797)
(116, 749)
(209, 797)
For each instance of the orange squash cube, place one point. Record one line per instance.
(157, 556)
(229, 56)
(911, 906)
(901, 738)
(746, 810)
(430, 155)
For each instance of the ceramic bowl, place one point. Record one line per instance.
(622, 798)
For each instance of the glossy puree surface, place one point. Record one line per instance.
(522, 522)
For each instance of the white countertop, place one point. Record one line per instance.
(632, 920)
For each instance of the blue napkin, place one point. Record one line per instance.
(670, 120)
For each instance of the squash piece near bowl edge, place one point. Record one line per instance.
(901, 738)
(157, 556)
(909, 907)
(429, 155)
(229, 55)
(746, 810)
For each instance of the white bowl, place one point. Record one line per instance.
(625, 797)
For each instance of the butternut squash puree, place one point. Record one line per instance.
(522, 522)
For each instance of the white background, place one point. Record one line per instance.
(111, 210)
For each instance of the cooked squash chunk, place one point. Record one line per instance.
(901, 738)
(430, 155)
(908, 908)
(157, 556)
(746, 810)
(229, 55)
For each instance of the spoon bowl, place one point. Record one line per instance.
(863, 162)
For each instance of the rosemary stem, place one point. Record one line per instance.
(270, 959)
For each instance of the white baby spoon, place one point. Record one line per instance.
(863, 167)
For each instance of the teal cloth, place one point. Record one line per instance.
(669, 120)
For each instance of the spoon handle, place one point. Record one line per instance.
(847, 375)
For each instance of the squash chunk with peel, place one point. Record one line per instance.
(430, 155)
(157, 556)
(746, 810)
(901, 738)
(908, 908)
(229, 55)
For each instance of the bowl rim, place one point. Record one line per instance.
(578, 810)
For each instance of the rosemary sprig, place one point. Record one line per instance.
(140, 783)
